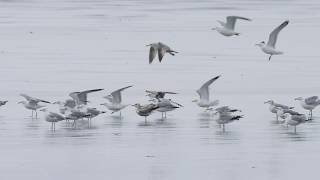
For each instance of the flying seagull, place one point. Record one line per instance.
(204, 94)
(270, 47)
(161, 49)
(158, 94)
(227, 29)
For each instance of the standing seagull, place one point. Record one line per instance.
(161, 49)
(273, 107)
(145, 110)
(53, 118)
(204, 95)
(227, 28)
(32, 103)
(81, 98)
(270, 47)
(309, 103)
(166, 105)
(115, 101)
(294, 120)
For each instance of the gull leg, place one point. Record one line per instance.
(270, 57)
(310, 114)
(223, 128)
(277, 117)
(31, 113)
(295, 129)
(120, 114)
(165, 115)
(36, 114)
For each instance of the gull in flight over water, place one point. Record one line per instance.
(204, 95)
(115, 100)
(81, 98)
(309, 103)
(32, 103)
(145, 110)
(270, 47)
(160, 49)
(273, 107)
(227, 29)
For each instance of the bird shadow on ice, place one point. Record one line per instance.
(116, 121)
(145, 124)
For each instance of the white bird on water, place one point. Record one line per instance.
(160, 49)
(52, 117)
(273, 107)
(228, 28)
(226, 116)
(32, 103)
(204, 95)
(294, 120)
(115, 101)
(145, 110)
(309, 103)
(166, 105)
(270, 47)
(81, 98)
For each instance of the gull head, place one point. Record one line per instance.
(269, 102)
(137, 105)
(298, 99)
(261, 44)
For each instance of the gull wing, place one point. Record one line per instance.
(162, 49)
(231, 21)
(152, 53)
(204, 89)
(57, 116)
(116, 95)
(33, 100)
(81, 97)
(312, 100)
(274, 34)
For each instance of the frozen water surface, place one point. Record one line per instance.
(49, 48)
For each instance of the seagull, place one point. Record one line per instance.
(294, 120)
(309, 103)
(225, 118)
(32, 103)
(81, 97)
(93, 112)
(166, 105)
(273, 107)
(52, 117)
(145, 110)
(158, 94)
(270, 47)
(76, 114)
(161, 49)
(204, 95)
(281, 112)
(115, 99)
(227, 28)
(2, 103)
(65, 106)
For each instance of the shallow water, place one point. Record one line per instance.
(50, 48)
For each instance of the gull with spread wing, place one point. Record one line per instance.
(204, 95)
(81, 98)
(160, 49)
(32, 103)
(228, 28)
(115, 100)
(270, 47)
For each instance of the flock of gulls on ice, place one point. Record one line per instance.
(77, 107)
